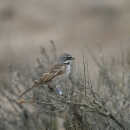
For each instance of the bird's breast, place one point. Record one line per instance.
(68, 70)
(64, 76)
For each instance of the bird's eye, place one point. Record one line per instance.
(68, 57)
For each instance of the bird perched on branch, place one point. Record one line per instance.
(59, 71)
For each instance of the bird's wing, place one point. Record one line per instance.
(54, 71)
(48, 76)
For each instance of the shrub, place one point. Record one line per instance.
(82, 104)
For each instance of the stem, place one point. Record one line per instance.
(116, 121)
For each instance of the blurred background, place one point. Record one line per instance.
(25, 25)
(74, 26)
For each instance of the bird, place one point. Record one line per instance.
(59, 71)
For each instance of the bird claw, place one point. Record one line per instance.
(51, 89)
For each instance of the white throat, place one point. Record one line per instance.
(68, 62)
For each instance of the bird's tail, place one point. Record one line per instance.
(34, 86)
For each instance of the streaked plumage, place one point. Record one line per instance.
(59, 71)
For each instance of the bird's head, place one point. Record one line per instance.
(65, 59)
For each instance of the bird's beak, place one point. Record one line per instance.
(72, 58)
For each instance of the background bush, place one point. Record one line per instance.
(102, 104)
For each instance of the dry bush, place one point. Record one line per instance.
(82, 105)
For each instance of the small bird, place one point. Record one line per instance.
(58, 72)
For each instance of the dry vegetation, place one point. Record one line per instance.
(89, 101)
(102, 104)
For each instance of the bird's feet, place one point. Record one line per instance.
(51, 89)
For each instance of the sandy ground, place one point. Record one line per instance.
(25, 25)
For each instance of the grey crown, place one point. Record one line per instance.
(64, 57)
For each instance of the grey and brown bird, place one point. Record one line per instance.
(58, 72)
